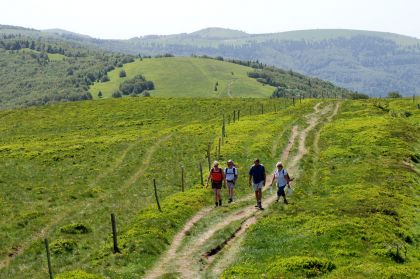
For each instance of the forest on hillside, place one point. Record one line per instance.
(37, 71)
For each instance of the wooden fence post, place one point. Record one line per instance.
(182, 179)
(114, 233)
(47, 248)
(218, 150)
(262, 108)
(239, 112)
(156, 195)
(234, 116)
(208, 156)
(201, 174)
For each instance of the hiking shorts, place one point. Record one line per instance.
(280, 191)
(230, 184)
(216, 184)
(258, 186)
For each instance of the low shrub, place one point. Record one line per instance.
(61, 246)
(75, 228)
(78, 274)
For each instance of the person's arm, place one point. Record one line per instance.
(235, 176)
(274, 178)
(287, 178)
(250, 177)
(208, 178)
(265, 176)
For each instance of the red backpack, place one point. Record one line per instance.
(216, 176)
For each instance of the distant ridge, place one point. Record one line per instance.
(370, 62)
(219, 33)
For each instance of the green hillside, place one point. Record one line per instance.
(188, 77)
(66, 167)
(39, 70)
(373, 63)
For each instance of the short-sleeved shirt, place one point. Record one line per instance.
(281, 181)
(257, 173)
(231, 173)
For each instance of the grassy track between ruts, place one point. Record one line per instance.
(354, 213)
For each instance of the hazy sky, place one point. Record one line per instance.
(124, 19)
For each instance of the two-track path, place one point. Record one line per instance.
(187, 256)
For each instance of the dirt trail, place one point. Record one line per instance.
(183, 261)
(63, 214)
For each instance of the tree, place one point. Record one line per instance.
(123, 74)
(116, 94)
(394, 94)
(104, 78)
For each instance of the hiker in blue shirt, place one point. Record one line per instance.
(283, 180)
(258, 177)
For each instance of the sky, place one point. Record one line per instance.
(125, 19)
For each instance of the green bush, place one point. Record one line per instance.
(307, 266)
(75, 228)
(78, 274)
(61, 246)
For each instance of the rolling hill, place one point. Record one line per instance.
(38, 68)
(370, 62)
(374, 63)
(188, 77)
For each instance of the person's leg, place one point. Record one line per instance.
(219, 197)
(216, 200)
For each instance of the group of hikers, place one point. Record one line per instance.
(257, 179)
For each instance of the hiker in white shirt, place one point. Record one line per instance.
(283, 180)
(231, 174)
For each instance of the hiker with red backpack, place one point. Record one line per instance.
(231, 174)
(283, 180)
(218, 178)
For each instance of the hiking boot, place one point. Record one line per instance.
(256, 206)
(220, 203)
(217, 204)
(285, 201)
(277, 200)
(230, 200)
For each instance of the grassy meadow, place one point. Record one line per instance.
(66, 167)
(354, 213)
(187, 77)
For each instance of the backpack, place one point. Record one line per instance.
(287, 175)
(234, 171)
(216, 176)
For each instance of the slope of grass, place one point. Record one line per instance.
(354, 213)
(188, 77)
(70, 165)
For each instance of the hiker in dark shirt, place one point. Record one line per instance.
(258, 177)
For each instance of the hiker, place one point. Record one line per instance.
(283, 180)
(258, 176)
(231, 174)
(217, 177)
